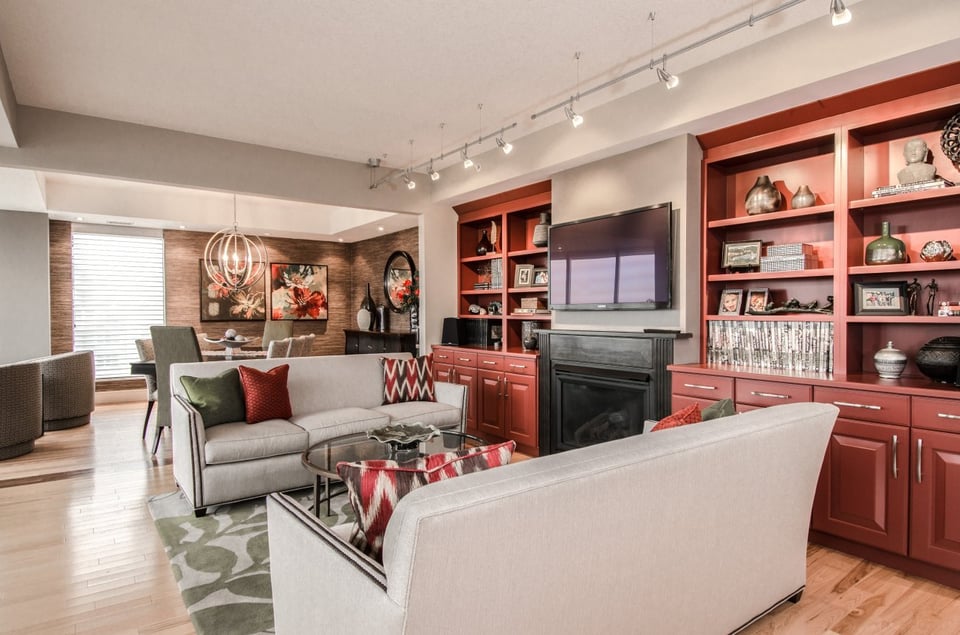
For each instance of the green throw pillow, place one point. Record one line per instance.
(722, 408)
(218, 399)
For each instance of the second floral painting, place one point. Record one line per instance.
(298, 291)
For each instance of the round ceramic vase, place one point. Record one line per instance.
(885, 250)
(889, 362)
(763, 197)
(803, 198)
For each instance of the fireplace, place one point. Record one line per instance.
(600, 386)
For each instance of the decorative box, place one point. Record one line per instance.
(790, 249)
(787, 263)
(531, 303)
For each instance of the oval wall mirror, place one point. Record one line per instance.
(399, 269)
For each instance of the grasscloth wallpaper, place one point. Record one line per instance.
(349, 268)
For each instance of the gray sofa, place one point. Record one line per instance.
(330, 396)
(697, 529)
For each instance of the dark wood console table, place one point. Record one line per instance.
(358, 341)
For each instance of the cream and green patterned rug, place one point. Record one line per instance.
(221, 561)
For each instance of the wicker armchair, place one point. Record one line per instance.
(69, 387)
(21, 408)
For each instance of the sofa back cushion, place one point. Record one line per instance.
(375, 487)
(218, 399)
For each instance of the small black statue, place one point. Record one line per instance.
(932, 298)
(913, 295)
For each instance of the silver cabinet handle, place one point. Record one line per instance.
(700, 386)
(944, 415)
(488, 362)
(896, 444)
(518, 365)
(919, 460)
(771, 395)
(463, 359)
(857, 405)
(506, 386)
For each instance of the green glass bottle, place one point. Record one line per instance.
(885, 250)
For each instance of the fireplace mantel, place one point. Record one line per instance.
(645, 354)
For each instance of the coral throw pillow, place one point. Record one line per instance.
(690, 414)
(408, 379)
(265, 393)
(375, 487)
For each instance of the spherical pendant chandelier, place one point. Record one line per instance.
(232, 260)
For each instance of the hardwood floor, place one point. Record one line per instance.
(79, 554)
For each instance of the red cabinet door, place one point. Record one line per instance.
(490, 403)
(443, 372)
(934, 509)
(468, 377)
(520, 408)
(862, 492)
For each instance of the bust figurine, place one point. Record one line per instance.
(917, 168)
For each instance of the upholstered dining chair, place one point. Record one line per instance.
(171, 345)
(145, 351)
(279, 348)
(275, 330)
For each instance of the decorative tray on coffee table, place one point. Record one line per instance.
(403, 435)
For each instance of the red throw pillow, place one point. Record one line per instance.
(375, 487)
(690, 414)
(265, 393)
(408, 379)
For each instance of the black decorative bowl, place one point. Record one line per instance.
(939, 358)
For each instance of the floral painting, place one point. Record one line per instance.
(298, 292)
(220, 304)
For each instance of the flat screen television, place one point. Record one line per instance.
(619, 261)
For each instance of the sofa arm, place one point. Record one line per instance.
(189, 439)
(453, 395)
(319, 579)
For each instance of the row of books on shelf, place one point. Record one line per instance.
(791, 346)
(522, 311)
(919, 186)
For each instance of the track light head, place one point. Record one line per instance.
(507, 148)
(411, 184)
(467, 161)
(575, 120)
(839, 13)
(669, 79)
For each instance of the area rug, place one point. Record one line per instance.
(221, 561)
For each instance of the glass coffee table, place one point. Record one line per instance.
(321, 459)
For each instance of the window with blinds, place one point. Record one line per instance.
(117, 295)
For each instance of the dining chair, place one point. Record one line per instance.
(145, 351)
(171, 345)
(279, 348)
(296, 346)
(275, 330)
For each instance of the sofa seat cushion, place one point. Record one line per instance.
(426, 412)
(238, 441)
(337, 422)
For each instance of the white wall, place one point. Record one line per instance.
(25, 288)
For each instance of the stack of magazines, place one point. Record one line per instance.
(919, 186)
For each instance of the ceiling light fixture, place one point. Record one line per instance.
(752, 20)
(434, 175)
(839, 13)
(467, 161)
(669, 79)
(233, 260)
(575, 120)
(504, 146)
(411, 184)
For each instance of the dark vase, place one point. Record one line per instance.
(414, 318)
(939, 358)
(367, 305)
(484, 246)
(383, 318)
(528, 335)
(540, 232)
(885, 250)
(763, 197)
(803, 198)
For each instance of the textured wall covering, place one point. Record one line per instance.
(369, 258)
(61, 287)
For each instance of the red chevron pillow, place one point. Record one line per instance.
(265, 393)
(408, 379)
(375, 487)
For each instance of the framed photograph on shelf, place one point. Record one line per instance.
(524, 276)
(880, 298)
(731, 301)
(742, 254)
(540, 277)
(757, 299)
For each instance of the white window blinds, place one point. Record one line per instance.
(117, 296)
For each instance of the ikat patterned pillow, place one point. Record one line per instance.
(265, 393)
(375, 487)
(686, 416)
(408, 379)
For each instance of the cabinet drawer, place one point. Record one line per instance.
(702, 386)
(936, 414)
(520, 365)
(465, 358)
(443, 355)
(771, 393)
(486, 361)
(866, 406)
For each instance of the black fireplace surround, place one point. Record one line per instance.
(601, 386)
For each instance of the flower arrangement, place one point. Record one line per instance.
(408, 294)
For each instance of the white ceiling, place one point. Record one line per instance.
(346, 79)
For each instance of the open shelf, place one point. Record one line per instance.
(772, 217)
(769, 275)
